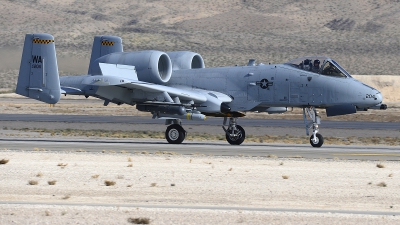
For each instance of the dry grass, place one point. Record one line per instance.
(39, 174)
(382, 184)
(52, 182)
(95, 176)
(62, 165)
(153, 184)
(139, 220)
(390, 175)
(66, 197)
(109, 183)
(392, 141)
(129, 159)
(33, 182)
(4, 161)
(379, 165)
(285, 177)
(130, 165)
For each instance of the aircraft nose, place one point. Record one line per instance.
(378, 97)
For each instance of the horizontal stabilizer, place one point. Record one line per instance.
(124, 71)
(338, 110)
(71, 91)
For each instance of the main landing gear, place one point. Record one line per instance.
(316, 139)
(235, 134)
(175, 134)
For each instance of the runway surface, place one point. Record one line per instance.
(377, 213)
(217, 148)
(210, 121)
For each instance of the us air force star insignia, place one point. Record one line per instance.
(264, 83)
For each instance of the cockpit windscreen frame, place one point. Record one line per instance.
(313, 64)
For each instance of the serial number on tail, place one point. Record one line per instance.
(37, 66)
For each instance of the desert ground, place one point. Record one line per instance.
(45, 187)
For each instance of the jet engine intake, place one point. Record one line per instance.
(151, 66)
(186, 60)
(165, 109)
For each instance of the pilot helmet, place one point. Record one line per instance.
(316, 62)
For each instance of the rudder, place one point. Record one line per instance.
(38, 73)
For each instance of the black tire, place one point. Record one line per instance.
(319, 142)
(239, 138)
(175, 134)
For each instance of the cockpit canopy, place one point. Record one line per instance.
(319, 64)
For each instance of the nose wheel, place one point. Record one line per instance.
(316, 141)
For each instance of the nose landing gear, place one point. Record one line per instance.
(316, 139)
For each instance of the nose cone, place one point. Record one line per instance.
(378, 97)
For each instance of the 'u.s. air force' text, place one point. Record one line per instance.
(36, 61)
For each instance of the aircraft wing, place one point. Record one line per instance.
(100, 80)
(126, 76)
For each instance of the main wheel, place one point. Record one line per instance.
(319, 140)
(175, 134)
(238, 136)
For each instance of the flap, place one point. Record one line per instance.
(172, 91)
(99, 80)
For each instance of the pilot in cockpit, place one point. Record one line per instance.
(306, 65)
(315, 66)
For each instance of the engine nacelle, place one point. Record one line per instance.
(186, 60)
(151, 66)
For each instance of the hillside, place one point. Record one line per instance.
(363, 36)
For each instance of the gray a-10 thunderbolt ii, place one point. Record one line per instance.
(176, 85)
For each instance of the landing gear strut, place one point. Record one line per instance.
(316, 139)
(235, 134)
(175, 134)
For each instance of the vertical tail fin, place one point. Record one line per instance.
(104, 45)
(38, 74)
